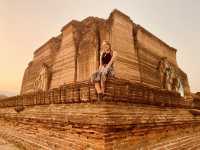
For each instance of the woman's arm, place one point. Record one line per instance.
(100, 64)
(112, 59)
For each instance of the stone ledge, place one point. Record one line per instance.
(100, 126)
(117, 90)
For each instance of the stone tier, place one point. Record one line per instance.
(98, 126)
(117, 90)
(131, 116)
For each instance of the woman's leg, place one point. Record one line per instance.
(103, 79)
(96, 79)
(99, 91)
(97, 87)
(102, 86)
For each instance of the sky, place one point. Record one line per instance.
(26, 24)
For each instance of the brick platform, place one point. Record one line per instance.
(131, 116)
(98, 126)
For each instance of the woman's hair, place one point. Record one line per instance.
(106, 43)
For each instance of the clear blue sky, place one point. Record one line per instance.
(26, 24)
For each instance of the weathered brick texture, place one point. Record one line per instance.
(131, 116)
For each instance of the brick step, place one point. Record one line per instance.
(28, 137)
(183, 142)
(195, 147)
(22, 140)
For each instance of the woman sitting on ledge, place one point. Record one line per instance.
(107, 57)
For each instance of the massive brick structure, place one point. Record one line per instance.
(147, 105)
(73, 55)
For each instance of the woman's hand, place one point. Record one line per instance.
(112, 59)
(100, 66)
